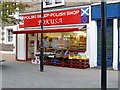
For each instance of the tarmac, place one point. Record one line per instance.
(16, 74)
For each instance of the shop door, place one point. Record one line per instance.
(109, 43)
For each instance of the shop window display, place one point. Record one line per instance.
(64, 47)
(31, 45)
(45, 42)
(71, 40)
(66, 40)
(59, 54)
(55, 42)
(62, 43)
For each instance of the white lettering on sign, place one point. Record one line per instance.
(30, 17)
(51, 21)
(53, 14)
(46, 15)
(38, 16)
(58, 14)
(73, 12)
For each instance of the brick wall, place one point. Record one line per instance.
(35, 6)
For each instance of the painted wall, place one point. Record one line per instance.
(115, 44)
(112, 11)
(21, 47)
(119, 45)
(93, 43)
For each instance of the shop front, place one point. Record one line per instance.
(65, 35)
(111, 33)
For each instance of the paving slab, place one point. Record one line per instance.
(26, 75)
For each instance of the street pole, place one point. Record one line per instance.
(103, 41)
(41, 47)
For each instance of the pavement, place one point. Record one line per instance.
(17, 74)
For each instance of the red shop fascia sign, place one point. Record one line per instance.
(63, 17)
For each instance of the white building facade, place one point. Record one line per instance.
(8, 40)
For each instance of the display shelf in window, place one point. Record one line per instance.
(31, 48)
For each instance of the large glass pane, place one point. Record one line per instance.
(73, 40)
(11, 38)
(10, 35)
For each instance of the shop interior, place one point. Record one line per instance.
(59, 46)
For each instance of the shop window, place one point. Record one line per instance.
(58, 46)
(9, 35)
(31, 45)
(53, 3)
(67, 40)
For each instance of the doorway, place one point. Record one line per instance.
(109, 43)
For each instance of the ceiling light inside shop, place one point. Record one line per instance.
(80, 33)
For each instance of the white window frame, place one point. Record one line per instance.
(53, 4)
(9, 35)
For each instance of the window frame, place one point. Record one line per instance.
(9, 37)
(53, 4)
